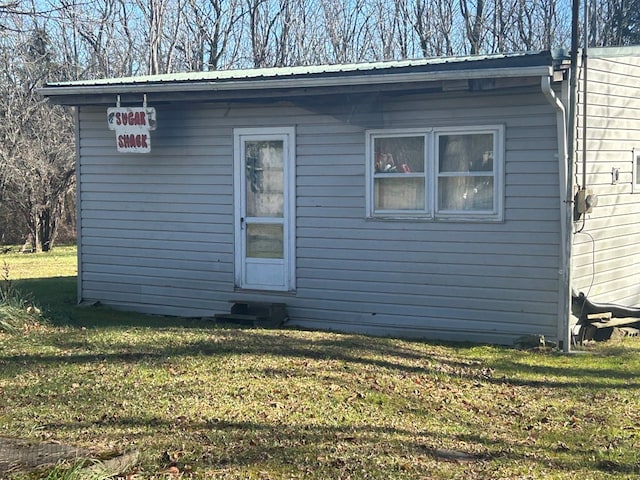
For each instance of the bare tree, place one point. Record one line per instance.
(432, 23)
(36, 158)
(268, 31)
(549, 18)
(422, 26)
(82, 37)
(44, 40)
(153, 15)
(614, 22)
(404, 29)
(347, 30)
(208, 33)
(94, 39)
(383, 28)
(8, 6)
(303, 37)
(475, 23)
(503, 21)
(127, 55)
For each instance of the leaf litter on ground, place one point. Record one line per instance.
(223, 402)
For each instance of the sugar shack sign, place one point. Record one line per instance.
(132, 126)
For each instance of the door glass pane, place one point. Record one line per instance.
(264, 161)
(265, 240)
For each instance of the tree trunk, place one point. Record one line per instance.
(36, 243)
(48, 229)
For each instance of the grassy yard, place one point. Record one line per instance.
(208, 401)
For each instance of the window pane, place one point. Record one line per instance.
(265, 241)
(264, 178)
(398, 155)
(399, 193)
(465, 193)
(466, 153)
(637, 180)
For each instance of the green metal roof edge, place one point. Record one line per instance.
(372, 68)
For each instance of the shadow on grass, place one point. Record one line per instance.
(58, 297)
(224, 444)
(58, 293)
(557, 456)
(318, 443)
(354, 350)
(351, 448)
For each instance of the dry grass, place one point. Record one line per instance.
(206, 401)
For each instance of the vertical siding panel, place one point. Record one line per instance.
(607, 249)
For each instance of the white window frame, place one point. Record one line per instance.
(431, 173)
(372, 175)
(498, 177)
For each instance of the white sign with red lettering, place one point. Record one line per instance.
(132, 126)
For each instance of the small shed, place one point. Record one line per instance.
(448, 198)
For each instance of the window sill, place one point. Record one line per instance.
(438, 219)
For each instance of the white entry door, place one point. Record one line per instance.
(264, 208)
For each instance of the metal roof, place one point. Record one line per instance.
(275, 72)
(386, 72)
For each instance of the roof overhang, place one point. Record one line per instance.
(302, 81)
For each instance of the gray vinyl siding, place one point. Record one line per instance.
(606, 261)
(157, 229)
